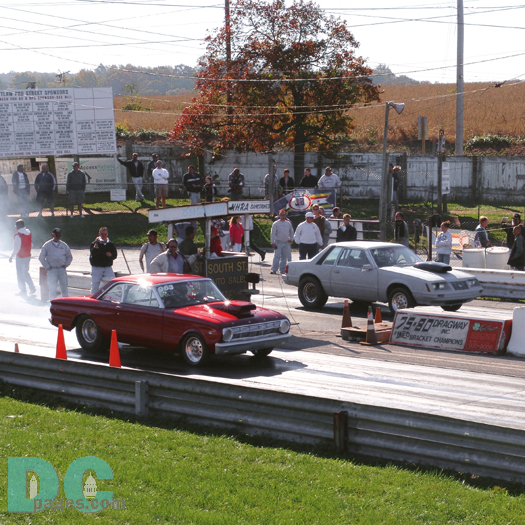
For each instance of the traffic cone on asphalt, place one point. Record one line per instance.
(114, 354)
(347, 320)
(16, 349)
(378, 318)
(61, 344)
(371, 338)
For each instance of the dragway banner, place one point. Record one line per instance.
(301, 200)
(450, 332)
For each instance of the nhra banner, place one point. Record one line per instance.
(301, 200)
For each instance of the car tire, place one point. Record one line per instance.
(262, 352)
(89, 336)
(311, 293)
(451, 307)
(400, 298)
(194, 350)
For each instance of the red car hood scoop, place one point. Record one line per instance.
(237, 308)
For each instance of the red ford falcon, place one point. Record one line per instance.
(174, 312)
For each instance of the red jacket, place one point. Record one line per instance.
(25, 248)
(236, 233)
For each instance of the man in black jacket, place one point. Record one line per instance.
(308, 180)
(136, 171)
(286, 184)
(193, 183)
(346, 232)
(102, 253)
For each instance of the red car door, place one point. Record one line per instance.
(139, 317)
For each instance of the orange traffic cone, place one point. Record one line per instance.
(371, 338)
(61, 344)
(347, 320)
(114, 354)
(378, 318)
(16, 349)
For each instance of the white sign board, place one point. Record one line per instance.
(181, 213)
(57, 121)
(117, 195)
(445, 178)
(101, 173)
(250, 207)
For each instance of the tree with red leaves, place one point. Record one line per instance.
(292, 77)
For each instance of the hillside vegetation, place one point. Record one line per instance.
(493, 118)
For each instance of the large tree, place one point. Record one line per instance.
(292, 77)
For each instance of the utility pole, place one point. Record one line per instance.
(228, 52)
(459, 82)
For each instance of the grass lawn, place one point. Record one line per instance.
(167, 475)
(128, 223)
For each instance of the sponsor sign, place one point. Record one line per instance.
(100, 173)
(228, 273)
(251, 207)
(57, 121)
(448, 332)
(301, 200)
(117, 195)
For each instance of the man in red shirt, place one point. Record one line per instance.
(22, 252)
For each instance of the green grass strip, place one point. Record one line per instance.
(171, 476)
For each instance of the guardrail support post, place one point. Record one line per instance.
(341, 432)
(141, 398)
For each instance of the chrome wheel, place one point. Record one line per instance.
(311, 293)
(194, 350)
(89, 331)
(399, 299)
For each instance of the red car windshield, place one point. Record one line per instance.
(188, 293)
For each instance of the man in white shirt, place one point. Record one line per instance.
(281, 239)
(160, 178)
(329, 180)
(55, 257)
(150, 250)
(308, 237)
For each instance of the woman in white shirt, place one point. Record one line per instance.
(444, 243)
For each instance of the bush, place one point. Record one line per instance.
(489, 141)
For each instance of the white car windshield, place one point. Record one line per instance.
(189, 293)
(394, 256)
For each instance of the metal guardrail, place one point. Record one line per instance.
(372, 431)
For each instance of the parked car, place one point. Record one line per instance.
(379, 271)
(173, 312)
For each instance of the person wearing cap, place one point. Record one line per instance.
(102, 253)
(193, 183)
(149, 185)
(22, 252)
(281, 238)
(76, 189)
(21, 188)
(136, 172)
(346, 232)
(55, 256)
(45, 184)
(150, 250)
(160, 178)
(308, 237)
(329, 180)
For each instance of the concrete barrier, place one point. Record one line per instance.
(516, 344)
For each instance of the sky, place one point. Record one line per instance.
(413, 38)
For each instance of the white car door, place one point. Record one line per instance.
(354, 276)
